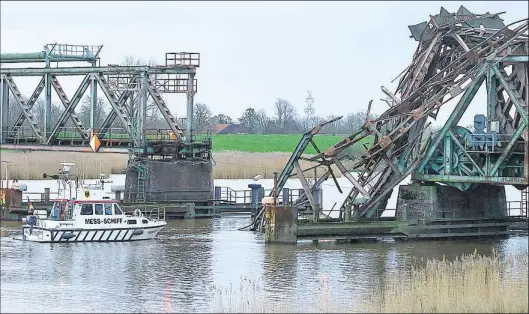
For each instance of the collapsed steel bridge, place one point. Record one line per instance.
(456, 54)
(128, 90)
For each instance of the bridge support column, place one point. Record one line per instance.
(170, 181)
(93, 101)
(280, 224)
(190, 104)
(4, 111)
(418, 203)
(47, 106)
(143, 111)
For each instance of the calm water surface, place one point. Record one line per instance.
(193, 260)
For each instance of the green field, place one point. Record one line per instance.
(257, 143)
(262, 143)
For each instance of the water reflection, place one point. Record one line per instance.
(183, 270)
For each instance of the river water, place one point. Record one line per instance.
(196, 263)
(207, 265)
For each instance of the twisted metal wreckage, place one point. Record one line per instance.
(456, 54)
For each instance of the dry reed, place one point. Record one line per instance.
(244, 165)
(227, 164)
(470, 284)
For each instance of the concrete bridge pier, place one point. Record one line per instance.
(188, 181)
(418, 202)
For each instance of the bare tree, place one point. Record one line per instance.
(154, 117)
(222, 119)
(285, 115)
(264, 123)
(99, 112)
(201, 117)
(250, 120)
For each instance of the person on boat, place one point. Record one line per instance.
(62, 211)
(30, 207)
(108, 209)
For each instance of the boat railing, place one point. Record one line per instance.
(152, 211)
(157, 213)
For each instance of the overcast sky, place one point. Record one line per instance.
(251, 52)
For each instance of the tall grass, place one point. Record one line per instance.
(227, 165)
(244, 165)
(470, 284)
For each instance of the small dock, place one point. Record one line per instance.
(282, 225)
(227, 201)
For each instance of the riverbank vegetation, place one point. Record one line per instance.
(470, 284)
(227, 164)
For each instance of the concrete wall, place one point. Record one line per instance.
(172, 181)
(417, 201)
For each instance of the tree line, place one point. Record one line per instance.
(285, 120)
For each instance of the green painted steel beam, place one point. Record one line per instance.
(41, 57)
(508, 148)
(16, 57)
(456, 142)
(57, 148)
(470, 179)
(512, 59)
(125, 70)
(491, 97)
(456, 115)
(512, 97)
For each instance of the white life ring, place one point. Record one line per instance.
(137, 212)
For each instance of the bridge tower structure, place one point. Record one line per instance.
(456, 173)
(128, 90)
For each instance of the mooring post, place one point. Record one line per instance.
(316, 193)
(286, 196)
(280, 223)
(218, 193)
(256, 188)
(274, 191)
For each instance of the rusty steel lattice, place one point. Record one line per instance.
(456, 53)
(127, 89)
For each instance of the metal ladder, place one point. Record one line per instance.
(142, 176)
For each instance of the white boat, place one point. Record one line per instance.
(92, 218)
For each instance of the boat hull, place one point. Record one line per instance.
(44, 235)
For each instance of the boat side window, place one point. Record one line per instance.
(99, 209)
(117, 210)
(108, 209)
(145, 221)
(87, 209)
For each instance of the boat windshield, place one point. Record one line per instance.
(59, 210)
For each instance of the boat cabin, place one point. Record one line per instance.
(64, 209)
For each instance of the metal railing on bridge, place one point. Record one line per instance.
(111, 137)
